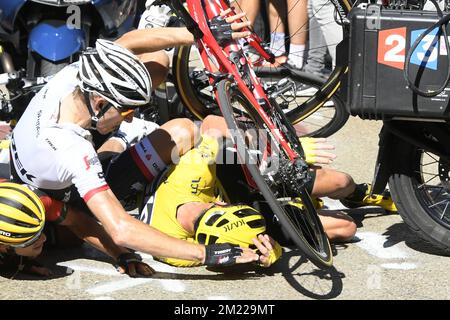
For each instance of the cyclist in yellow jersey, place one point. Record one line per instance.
(186, 191)
(189, 193)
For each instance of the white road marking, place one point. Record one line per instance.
(172, 285)
(113, 286)
(373, 243)
(109, 271)
(399, 266)
(218, 298)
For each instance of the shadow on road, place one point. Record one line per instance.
(361, 214)
(306, 278)
(228, 276)
(400, 232)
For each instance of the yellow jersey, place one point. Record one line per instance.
(193, 179)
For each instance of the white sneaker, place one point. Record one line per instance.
(154, 16)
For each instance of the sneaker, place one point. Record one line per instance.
(292, 66)
(363, 197)
(157, 16)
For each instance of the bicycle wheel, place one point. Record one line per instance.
(290, 89)
(421, 192)
(270, 176)
(192, 84)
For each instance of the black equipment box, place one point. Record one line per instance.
(379, 43)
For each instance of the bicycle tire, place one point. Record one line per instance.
(321, 121)
(197, 96)
(420, 191)
(305, 230)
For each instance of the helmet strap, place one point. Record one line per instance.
(95, 117)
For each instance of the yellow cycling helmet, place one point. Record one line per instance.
(22, 215)
(235, 224)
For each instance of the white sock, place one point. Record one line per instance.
(296, 52)
(277, 43)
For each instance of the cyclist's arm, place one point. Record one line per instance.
(87, 229)
(141, 41)
(154, 39)
(214, 126)
(134, 234)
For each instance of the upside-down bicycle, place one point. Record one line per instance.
(294, 90)
(274, 161)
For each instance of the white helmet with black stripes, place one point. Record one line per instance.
(115, 74)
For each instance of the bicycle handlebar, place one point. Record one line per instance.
(16, 81)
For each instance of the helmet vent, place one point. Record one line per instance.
(244, 213)
(201, 238)
(223, 222)
(256, 224)
(213, 218)
(212, 239)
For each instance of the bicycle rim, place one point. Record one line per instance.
(197, 96)
(291, 90)
(192, 84)
(302, 225)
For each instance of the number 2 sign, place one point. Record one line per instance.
(391, 47)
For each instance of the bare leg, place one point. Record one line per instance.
(338, 226)
(298, 23)
(333, 184)
(157, 64)
(297, 20)
(174, 138)
(250, 7)
(277, 10)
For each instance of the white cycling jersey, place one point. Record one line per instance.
(55, 156)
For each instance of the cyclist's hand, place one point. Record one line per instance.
(315, 150)
(225, 29)
(226, 254)
(131, 264)
(237, 24)
(270, 250)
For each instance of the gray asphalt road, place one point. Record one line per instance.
(386, 261)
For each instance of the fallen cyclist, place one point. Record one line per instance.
(24, 212)
(91, 98)
(191, 201)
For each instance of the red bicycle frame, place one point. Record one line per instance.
(211, 51)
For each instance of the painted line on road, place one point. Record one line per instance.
(399, 266)
(78, 267)
(113, 286)
(172, 285)
(218, 298)
(103, 298)
(374, 244)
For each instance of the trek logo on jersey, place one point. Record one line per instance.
(392, 48)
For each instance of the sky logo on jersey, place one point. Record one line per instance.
(426, 53)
